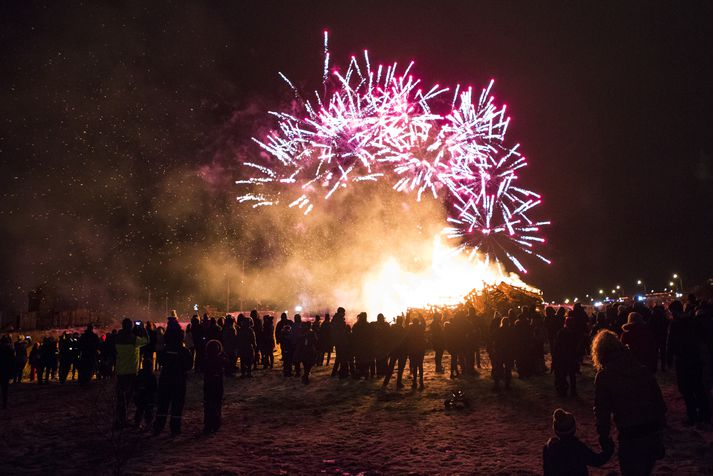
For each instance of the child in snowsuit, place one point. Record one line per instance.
(214, 368)
(564, 454)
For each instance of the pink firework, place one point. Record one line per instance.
(378, 124)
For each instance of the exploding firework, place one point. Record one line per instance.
(372, 124)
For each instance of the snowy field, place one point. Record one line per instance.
(273, 425)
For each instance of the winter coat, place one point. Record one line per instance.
(267, 340)
(362, 340)
(641, 341)
(568, 456)
(626, 389)
(565, 355)
(230, 340)
(436, 336)
(416, 340)
(306, 350)
(325, 337)
(175, 362)
(21, 353)
(246, 342)
(504, 344)
(127, 348)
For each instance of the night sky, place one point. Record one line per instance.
(121, 129)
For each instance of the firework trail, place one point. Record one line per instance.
(372, 124)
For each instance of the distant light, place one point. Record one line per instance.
(638, 282)
(601, 291)
(298, 308)
(613, 291)
(597, 303)
(670, 283)
(566, 301)
(195, 307)
(618, 287)
(679, 294)
(675, 275)
(640, 298)
(576, 299)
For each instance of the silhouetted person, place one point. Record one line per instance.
(502, 353)
(522, 346)
(361, 344)
(452, 342)
(34, 360)
(213, 371)
(198, 334)
(267, 342)
(625, 390)
(340, 337)
(296, 337)
(7, 367)
(246, 347)
(88, 348)
(553, 324)
(20, 359)
(128, 345)
(659, 324)
(397, 353)
(257, 329)
(324, 341)
(229, 340)
(687, 350)
(565, 455)
(416, 344)
(565, 360)
(176, 362)
(380, 335)
(438, 341)
(284, 321)
(48, 359)
(145, 389)
(306, 350)
(641, 341)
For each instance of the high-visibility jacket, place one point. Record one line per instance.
(127, 352)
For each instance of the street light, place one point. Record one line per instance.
(680, 281)
(601, 291)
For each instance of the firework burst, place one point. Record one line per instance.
(378, 124)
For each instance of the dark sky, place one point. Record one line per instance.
(110, 114)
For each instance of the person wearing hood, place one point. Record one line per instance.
(565, 454)
(640, 340)
(625, 390)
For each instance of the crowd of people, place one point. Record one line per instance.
(628, 343)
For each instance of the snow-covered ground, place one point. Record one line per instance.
(280, 426)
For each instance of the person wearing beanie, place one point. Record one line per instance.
(564, 454)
